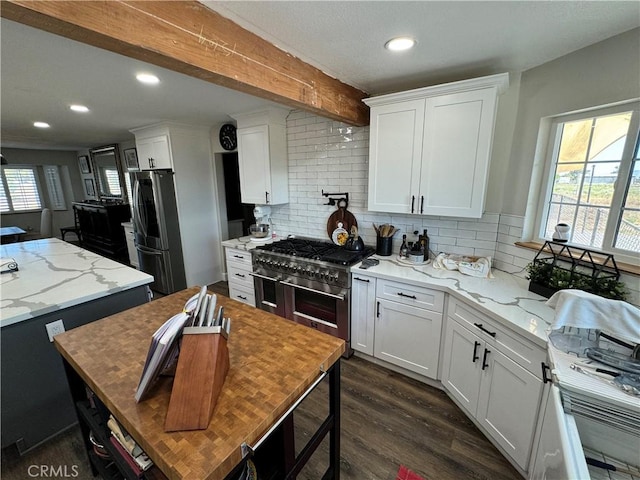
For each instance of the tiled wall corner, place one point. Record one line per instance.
(509, 257)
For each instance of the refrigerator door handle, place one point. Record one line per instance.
(136, 206)
(149, 251)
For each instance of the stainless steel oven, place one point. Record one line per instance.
(324, 311)
(269, 294)
(307, 281)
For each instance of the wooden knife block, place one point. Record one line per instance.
(203, 364)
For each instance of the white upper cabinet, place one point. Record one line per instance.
(154, 152)
(262, 156)
(430, 148)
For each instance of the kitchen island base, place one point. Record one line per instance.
(37, 405)
(274, 364)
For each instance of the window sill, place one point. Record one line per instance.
(623, 267)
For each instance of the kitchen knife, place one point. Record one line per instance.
(219, 317)
(213, 299)
(202, 315)
(196, 311)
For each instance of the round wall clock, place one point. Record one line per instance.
(228, 138)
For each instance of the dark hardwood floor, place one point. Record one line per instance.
(390, 420)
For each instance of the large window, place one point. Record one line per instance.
(20, 190)
(594, 180)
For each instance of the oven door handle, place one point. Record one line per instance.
(332, 295)
(264, 277)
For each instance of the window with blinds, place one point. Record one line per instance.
(20, 190)
(54, 186)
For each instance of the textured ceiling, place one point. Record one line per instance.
(42, 73)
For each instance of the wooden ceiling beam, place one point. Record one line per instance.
(187, 37)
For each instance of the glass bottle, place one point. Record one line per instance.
(404, 248)
(425, 245)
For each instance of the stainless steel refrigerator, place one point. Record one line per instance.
(157, 229)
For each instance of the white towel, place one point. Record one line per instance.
(575, 308)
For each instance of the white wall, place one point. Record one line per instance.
(603, 73)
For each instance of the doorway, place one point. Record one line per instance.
(239, 215)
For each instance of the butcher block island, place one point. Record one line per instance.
(273, 364)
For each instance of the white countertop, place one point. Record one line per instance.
(504, 298)
(54, 275)
(245, 243)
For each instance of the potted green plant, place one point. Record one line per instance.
(548, 275)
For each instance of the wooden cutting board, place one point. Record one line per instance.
(342, 215)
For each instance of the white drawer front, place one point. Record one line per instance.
(517, 348)
(238, 256)
(408, 294)
(242, 293)
(240, 273)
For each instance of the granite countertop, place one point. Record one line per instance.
(504, 298)
(54, 275)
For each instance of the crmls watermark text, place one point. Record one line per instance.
(52, 471)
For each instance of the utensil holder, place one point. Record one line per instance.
(203, 364)
(384, 246)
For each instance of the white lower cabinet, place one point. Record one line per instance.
(397, 322)
(408, 336)
(502, 395)
(363, 304)
(239, 274)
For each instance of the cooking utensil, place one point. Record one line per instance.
(593, 371)
(341, 215)
(354, 242)
(607, 466)
(617, 360)
(259, 230)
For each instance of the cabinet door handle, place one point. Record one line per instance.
(484, 359)
(239, 275)
(481, 327)
(266, 196)
(238, 256)
(361, 279)
(422, 204)
(413, 200)
(545, 367)
(407, 296)
(241, 297)
(475, 351)
(378, 309)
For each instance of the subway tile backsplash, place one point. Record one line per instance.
(329, 156)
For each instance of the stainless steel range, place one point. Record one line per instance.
(307, 281)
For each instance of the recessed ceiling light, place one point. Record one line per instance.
(79, 108)
(400, 43)
(41, 124)
(148, 79)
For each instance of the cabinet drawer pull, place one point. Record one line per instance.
(239, 275)
(481, 327)
(413, 200)
(484, 359)
(241, 297)
(238, 256)
(407, 296)
(475, 351)
(361, 279)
